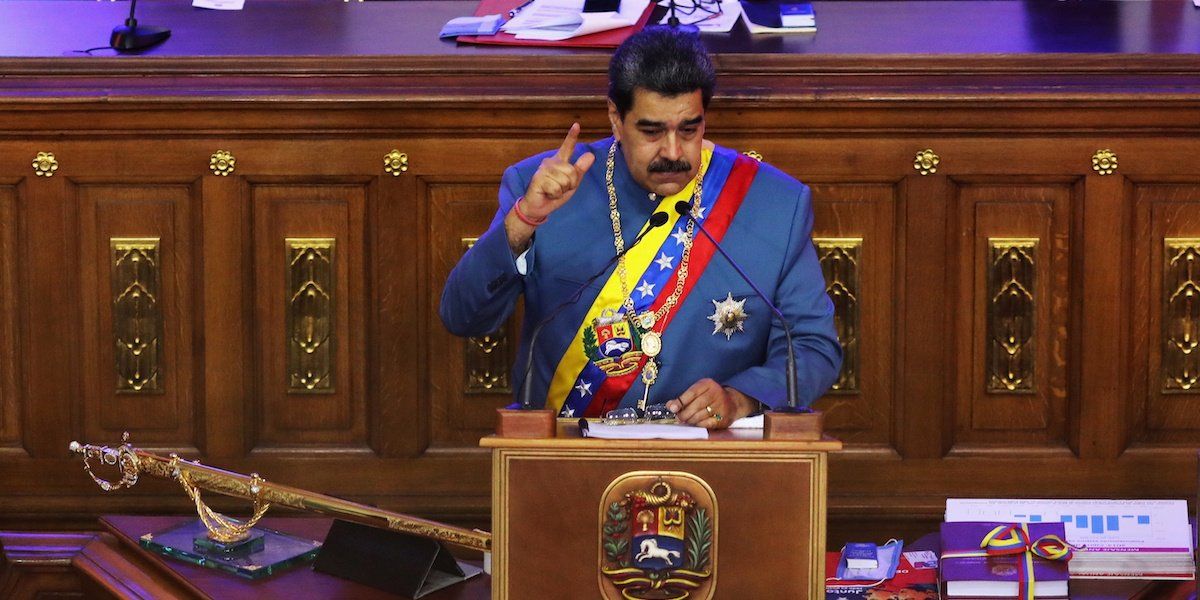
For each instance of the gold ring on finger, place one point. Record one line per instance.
(710, 410)
(717, 416)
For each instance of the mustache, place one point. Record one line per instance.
(669, 166)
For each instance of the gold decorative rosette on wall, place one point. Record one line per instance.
(658, 537)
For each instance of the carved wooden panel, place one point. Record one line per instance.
(1014, 287)
(465, 396)
(855, 225)
(1166, 290)
(139, 281)
(9, 287)
(288, 220)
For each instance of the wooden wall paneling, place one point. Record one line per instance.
(925, 414)
(138, 308)
(1166, 312)
(49, 352)
(460, 210)
(10, 287)
(992, 213)
(460, 195)
(227, 420)
(866, 211)
(1104, 418)
(317, 209)
(398, 249)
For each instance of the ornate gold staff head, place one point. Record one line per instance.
(123, 457)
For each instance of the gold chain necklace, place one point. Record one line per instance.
(651, 340)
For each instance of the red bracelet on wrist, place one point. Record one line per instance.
(523, 217)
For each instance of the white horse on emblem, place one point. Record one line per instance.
(650, 550)
(619, 345)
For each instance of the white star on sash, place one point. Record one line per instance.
(681, 237)
(568, 411)
(665, 262)
(698, 212)
(646, 289)
(584, 389)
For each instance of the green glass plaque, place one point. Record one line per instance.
(266, 551)
(255, 542)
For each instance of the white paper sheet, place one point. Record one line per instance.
(755, 422)
(644, 431)
(557, 20)
(219, 4)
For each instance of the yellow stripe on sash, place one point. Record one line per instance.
(637, 260)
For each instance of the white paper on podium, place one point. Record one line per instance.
(219, 4)
(644, 431)
(754, 422)
(557, 20)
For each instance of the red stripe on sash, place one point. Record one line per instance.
(611, 391)
(717, 223)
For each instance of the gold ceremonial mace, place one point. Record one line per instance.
(193, 477)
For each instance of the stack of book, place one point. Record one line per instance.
(970, 573)
(1117, 539)
(915, 579)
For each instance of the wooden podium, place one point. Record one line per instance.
(761, 503)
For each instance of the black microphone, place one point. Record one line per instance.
(131, 36)
(685, 209)
(656, 220)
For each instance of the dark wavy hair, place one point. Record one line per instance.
(661, 60)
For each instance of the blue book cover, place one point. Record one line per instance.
(861, 556)
(766, 16)
(797, 15)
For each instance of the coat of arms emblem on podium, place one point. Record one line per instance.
(658, 537)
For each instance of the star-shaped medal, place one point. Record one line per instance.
(728, 316)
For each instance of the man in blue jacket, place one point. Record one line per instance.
(672, 322)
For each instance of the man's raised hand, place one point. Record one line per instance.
(556, 178)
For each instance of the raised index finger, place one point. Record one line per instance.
(568, 145)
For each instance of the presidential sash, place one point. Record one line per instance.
(604, 359)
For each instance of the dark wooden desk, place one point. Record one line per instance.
(115, 566)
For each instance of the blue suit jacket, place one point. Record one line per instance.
(770, 237)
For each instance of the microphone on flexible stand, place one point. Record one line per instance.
(656, 220)
(132, 37)
(685, 209)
